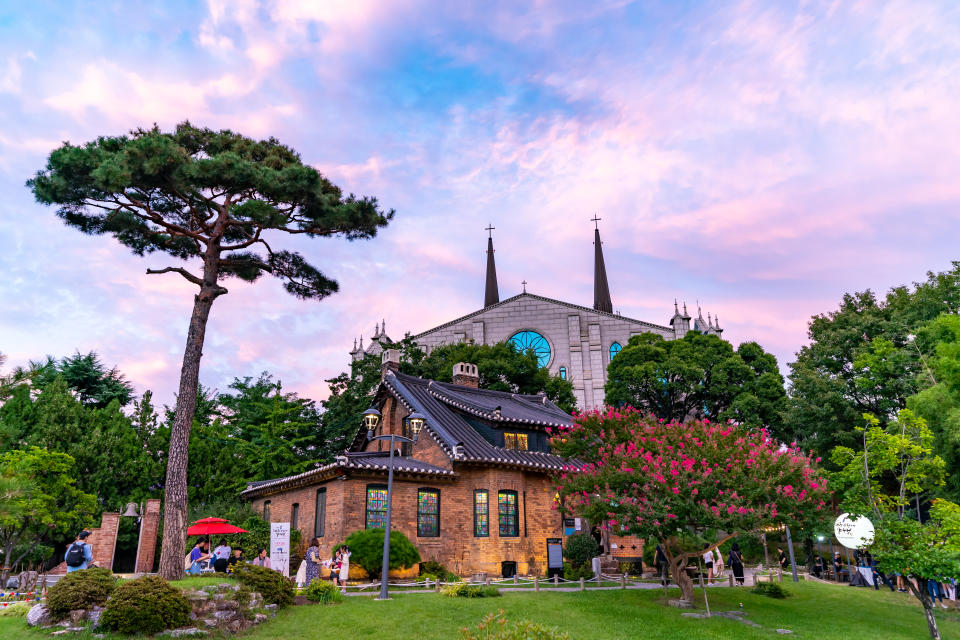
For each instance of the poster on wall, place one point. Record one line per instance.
(280, 547)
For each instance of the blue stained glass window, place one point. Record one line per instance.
(615, 348)
(524, 340)
(563, 373)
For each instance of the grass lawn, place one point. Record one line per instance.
(815, 611)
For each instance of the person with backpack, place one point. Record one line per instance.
(79, 555)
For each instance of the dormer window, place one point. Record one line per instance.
(517, 441)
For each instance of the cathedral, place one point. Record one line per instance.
(573, 341)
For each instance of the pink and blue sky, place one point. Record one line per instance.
(762, 157)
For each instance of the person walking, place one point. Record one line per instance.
(344, 567)
(718, 568)
(818, 566)
(736, 563)
(313, 561)
(661, 561)
(262, 560)
(782, 559)
(708, 562)
(79, 555)
(933, 588)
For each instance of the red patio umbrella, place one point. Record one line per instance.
(213, 526)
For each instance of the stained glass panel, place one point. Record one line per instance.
(481, 513)
(428, 513)
(376, 507)
(531, 340)
(508, 517)
(615, 348)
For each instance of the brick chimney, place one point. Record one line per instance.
(390, 361)
(466, 374)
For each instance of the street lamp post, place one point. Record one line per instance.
(371, 417)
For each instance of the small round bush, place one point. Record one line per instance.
(575, 573)
(146, 605)
(430, 567)
(79, 590)
(581, 549)
(323, 592)
(366, 550)
(270, 584)
(465, 590)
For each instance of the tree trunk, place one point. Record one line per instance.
(175, 490)
(920, 590)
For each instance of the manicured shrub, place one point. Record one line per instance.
(466, 590)
(79, 590)
(581, 549)
(366, 549)
(146, 605)
(270, 584)
(496, 627)
(771, 590)
(571, 572)
(323, 592)
(430, 567)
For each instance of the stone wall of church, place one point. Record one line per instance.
(457, 547)
(579, 339)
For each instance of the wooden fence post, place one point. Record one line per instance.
(582, 587)
(436, 586)
(487, 581)
(556, 580)
(730, 577)
(623, 581)
(515, 580)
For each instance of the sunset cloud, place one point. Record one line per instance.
(762, 158)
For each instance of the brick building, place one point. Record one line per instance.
(474, 492)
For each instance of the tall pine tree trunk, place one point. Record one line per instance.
(175, 490)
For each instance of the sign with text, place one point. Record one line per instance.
(280, 547)
(853, 532)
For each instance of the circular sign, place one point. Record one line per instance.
(853, 532)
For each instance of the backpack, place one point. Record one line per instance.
(74, 557)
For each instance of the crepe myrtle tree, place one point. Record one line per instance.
(670, 481)
(220, 204)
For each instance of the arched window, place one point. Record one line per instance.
(563, 373)
(533, 341)
(615, 348)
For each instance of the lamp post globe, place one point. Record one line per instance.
(371, 418)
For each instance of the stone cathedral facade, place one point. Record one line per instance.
(573, 341)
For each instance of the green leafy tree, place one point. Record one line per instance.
(210, 199)
(939, 402)
(699, 376)
(860, 360)
(896, 463)
(675, 481)
(87, 376)
(276, 433)
(366, 550)
(54, 510)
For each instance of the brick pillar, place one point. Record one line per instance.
(147, 544)
(102, 541)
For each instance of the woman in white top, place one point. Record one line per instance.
(708, 563)
(344, 566)
(718, 567)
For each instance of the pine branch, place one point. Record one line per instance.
(186, 274)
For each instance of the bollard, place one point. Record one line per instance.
(556, 580)
(428, 583)
(623, 581)
(582, 587)
(536, 583)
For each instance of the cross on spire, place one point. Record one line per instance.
(490, 228)
(524, 283)
(595, 220)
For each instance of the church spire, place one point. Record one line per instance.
(491, 294)
(601, 290)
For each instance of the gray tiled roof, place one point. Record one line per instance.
(443, 404)
(365, 461)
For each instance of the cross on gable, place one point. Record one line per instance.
(524, 283)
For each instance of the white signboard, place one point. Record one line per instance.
(280, 547)
(853, 532)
